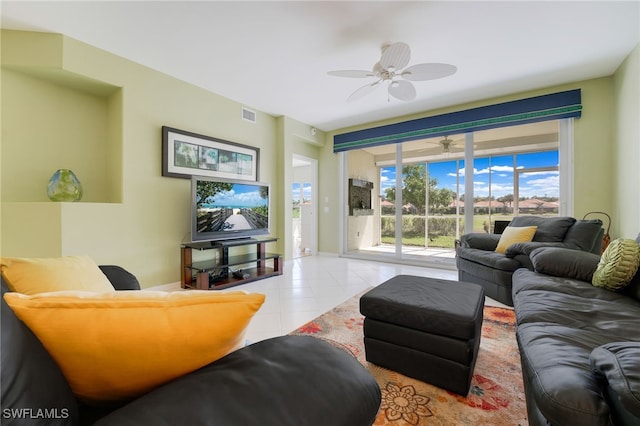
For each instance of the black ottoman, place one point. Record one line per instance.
(425, 328)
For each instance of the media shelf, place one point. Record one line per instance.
(217, 272)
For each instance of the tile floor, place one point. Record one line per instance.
(313, 285)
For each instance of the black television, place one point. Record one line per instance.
(223, 209)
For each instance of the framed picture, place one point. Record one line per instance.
(185, 154)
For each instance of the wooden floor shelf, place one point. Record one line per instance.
(225, 271)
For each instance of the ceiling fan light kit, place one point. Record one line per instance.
(446, 144)
(391, 68)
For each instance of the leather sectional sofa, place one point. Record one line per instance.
(579, 344)
(478, 262)
(286, 380)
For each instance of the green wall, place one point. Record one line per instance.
(67, 104)
(42, 112)
(626, 149)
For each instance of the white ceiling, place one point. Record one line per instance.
(274, 56)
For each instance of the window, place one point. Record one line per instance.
(515, 171)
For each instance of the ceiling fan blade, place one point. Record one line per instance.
(395, 56)
(402, 90)
(431, 146)
(363, 91)
(421, 72)
(352, 73)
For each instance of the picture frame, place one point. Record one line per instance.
(185, 154)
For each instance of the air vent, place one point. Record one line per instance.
(248, 115)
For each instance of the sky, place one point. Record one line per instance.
(493, 174)
(501, 167)
(306, 191)
(240, 196)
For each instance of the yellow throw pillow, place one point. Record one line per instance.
(618, 265)
(515, 234)
(115, 346)
(42, 275)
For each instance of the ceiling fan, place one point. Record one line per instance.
(391, 69)
(446, 145)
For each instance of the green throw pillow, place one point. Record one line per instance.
(618, 265)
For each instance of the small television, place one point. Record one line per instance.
(223, 209)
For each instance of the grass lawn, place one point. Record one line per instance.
(480, 224)
(446, 241)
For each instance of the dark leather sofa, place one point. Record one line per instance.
(477, 261)
(287, 380)
(579, 344)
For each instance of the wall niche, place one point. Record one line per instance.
(360, 197)
(67, 121)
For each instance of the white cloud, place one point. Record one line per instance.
(487, 170)
(543, 173)
(550, 181)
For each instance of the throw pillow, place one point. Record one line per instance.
(618, 264)
(550, 229)
(515, 234)
(115, 346)
(42, 275)
(564, 262)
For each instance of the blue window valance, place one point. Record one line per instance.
(540, 108)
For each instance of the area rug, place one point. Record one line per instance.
(496, 396)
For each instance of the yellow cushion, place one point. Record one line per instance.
(41, 275)
(115, 346)
(618, 265)
(515, 234)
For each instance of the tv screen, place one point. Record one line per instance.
(224, 209)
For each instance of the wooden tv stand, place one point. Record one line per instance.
(222, 270)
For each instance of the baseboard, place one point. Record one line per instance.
(165, 287)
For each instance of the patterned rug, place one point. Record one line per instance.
(496, 396)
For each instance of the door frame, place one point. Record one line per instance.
(313, 164)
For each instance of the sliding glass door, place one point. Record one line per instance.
(418, 189)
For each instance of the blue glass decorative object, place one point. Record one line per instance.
(64, 185)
